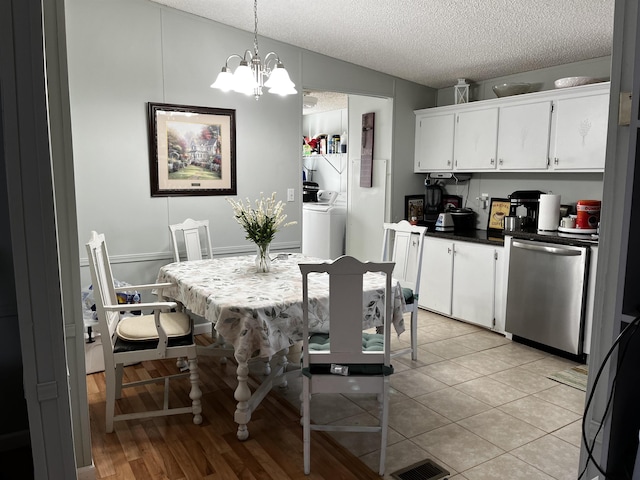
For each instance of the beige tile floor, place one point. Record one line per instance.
(475, 402)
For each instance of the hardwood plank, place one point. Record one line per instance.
(174, 448)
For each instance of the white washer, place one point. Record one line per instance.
(324, 227)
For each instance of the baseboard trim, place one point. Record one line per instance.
(87, 473)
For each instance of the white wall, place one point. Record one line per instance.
(125, 53)
(368, 208)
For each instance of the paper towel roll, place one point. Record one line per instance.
(549, 212)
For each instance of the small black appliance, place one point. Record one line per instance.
(526, 203)
(433, 205)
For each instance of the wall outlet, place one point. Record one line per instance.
(291, 195)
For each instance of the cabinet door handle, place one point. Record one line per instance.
(556, 160)
(449, 250)
(448, 163)
(500, 161)
(492, 161)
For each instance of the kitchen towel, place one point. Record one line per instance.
(549, 212)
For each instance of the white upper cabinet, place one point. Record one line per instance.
(523, 136)
(434, 142)
(581, 132)
(476, 136)
(553, 130)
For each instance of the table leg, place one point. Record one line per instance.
(247, 401)
(242, 395)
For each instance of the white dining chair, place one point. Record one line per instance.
(403, 244)
(346, 360)
(192, 232)
(131, 339)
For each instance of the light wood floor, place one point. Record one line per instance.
(174, 448)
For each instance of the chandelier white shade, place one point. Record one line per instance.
(252, 74)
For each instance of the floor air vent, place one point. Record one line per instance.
(426, 470)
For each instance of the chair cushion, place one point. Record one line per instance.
(407, 293)
(371, 342)
(128, 346)
(143, 328)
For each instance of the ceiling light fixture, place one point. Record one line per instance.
(252, 75)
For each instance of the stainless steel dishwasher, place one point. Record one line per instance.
(546, 293)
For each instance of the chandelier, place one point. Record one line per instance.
(252, 75)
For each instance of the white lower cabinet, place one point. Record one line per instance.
(461, 279)
(436, 277)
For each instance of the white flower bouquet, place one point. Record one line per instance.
(261, 223)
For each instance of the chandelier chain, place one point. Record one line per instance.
(255, 30)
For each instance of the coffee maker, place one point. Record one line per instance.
(525, 204)
(433, 205)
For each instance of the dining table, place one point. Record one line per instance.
(260, 314)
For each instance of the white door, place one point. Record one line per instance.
(474, 274)
(581, 132)
(436, 275)
(366, 212)
(476, 139)
(523, 136)
(434, 143)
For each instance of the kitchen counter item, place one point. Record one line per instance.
(463, 218)
(512, 224)
(580, 231)
(546, 294)
(508, 89)
(527, 202)
(549, 212)
(444, 223)
(574, 81)
(588, 213)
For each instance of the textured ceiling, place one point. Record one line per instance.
(430, 42)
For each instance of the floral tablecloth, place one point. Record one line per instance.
(261, 313)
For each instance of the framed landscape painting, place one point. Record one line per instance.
(192, 150)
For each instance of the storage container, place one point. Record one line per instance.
(588, 214)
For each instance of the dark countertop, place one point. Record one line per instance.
(491, 238)
(474, 236)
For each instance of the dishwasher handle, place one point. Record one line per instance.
(547, 249)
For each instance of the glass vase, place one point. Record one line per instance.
(263, 260)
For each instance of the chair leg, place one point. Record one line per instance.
(384, 423)
(110, 380)
(195, 394)
(117, 393)
(306, 425)
(414, 335)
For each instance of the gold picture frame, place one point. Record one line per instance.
(498, 210)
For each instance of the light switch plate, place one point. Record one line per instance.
(290, 195)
